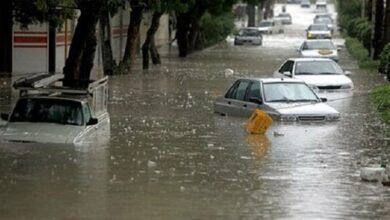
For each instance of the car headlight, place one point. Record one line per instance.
(288, 118)
(308, 35)
(333, 117)
(346, 86)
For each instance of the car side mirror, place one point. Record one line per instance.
(323, 99)
(287, 73)
(4, 116)
(256, 100)
(347, 73)
(92, 121)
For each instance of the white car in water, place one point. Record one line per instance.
(319, 48)
(282, 98)
(271, 27)
(53, 114)
(324, 74)
(318, 31)
(248, 36)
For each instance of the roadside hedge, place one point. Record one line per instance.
(384, 65)
(381, 99)
(359, 52)
(360, 29)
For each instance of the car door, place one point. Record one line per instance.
(235, 98)
(253, 98)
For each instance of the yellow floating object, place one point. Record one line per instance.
(259, 122)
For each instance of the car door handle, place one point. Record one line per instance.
(245, 105)
(229, 103)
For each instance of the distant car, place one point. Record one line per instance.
(318, 31)
(325, 20)
(248, 36)
(319, 48)
(55, 114)
(305, 4)
(285, 18)
(282, 98)
(321, 5)
(293, 1)
(323, 15)
(317, 72)
(271, 27)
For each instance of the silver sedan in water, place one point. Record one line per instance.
(283, 99)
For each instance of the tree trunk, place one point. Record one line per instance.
(378, 34)
(154, 53)
(251, 15)
(132, 35)
(183, 21)
(149, 44)
(6, 24)
(105, 41)
(187, 33)
(386, 34)
(82, 49)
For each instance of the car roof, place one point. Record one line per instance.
(318, 40)
(76, 98)
(249, 28)
(309, 59)
(273, 80)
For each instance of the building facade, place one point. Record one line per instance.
(30, 47)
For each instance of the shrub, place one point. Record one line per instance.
(384, 65)
(381, 99)
(356, 49)
(216, 28)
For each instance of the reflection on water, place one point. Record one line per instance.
(259, 145)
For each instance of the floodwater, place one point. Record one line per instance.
(170, 157)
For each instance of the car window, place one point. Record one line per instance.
(87, 112)
(317, 45)
(288, 92)
(317, 68)
(241, 90)
(48, 111)
(287, 67)
(231, 93)
(254, 91)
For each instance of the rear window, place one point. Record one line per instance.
(48, 111)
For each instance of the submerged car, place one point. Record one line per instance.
(324, 74)
(282, 98)
(305, 4)
(319, 48)
(248, 36)
(285, 18)
(325, 20)
(271, 27)
(48, 113)
(318, 31)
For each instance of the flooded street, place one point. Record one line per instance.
(170, 157)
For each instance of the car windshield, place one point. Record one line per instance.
(288, 92)
(318, 28)
(249, 32)
(317, 68)
(318, 45)
(265, 24)
(323, 20)
(47, 111)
